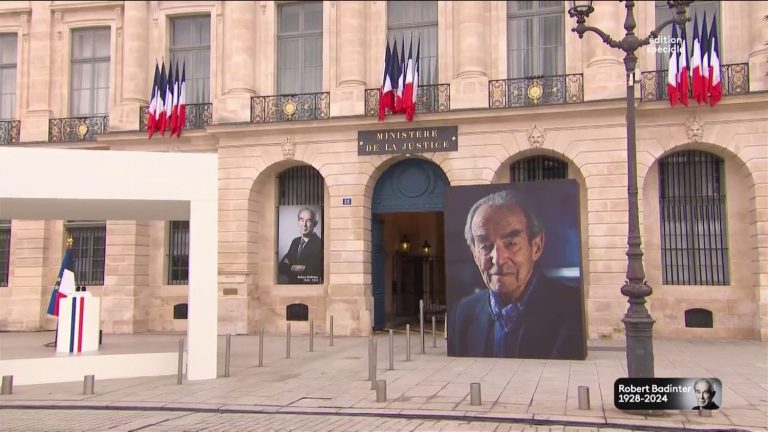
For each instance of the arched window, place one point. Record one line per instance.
(537, 168)
(694, 246)
(300, 226)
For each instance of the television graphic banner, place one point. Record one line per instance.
(513, 271)
(668, 393)
(300, 244)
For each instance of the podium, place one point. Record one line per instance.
(79, 320)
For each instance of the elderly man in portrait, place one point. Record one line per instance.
(303, 263)
(705, 392)
(523, 313)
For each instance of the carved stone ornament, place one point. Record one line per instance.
(535, 136)
(694, 127)
(289, 148)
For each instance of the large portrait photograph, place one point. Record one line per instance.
(513, 271)
(300, 245)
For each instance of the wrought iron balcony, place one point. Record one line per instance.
(9, 131)
(277, 108)
(734, 77)
(77, 128)
(536, 90)
(197, 116)
(429, 98)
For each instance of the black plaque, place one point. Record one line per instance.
(415, 140)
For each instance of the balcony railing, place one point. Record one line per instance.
(429, 98)
(734, 77)
(197, 116)
(536, 90)
(9, 131)
(77, 128)
(277, 108)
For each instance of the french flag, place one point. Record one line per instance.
(696, 87)
(682, 68)
(715, 88)
(403, 69)
(673, 72)
(385, 92)
(412, 90)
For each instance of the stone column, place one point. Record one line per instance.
(350, 297)
(758, 53)
(238, 61)
(34, 119)
(125, 298)
(469, 89)
(347, 99)
(136, 70)
(28, 297)
(604, 73)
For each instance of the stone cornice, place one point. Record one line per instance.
(59, 7)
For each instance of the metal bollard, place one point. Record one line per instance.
(583, 397)
(421, 323)
(445, 326)
(288, 340)
(261, 347)
(381, 391)
(434, 332)
(391, 350)
(88, 382)
(407, 342)
(331, 330)
(311, 336)
(227, 355)
(7, 387)
(180, 370)
(375, 352)
(474, 394)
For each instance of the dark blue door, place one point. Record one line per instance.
(378, 274)
(411, 185)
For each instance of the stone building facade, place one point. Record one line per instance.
(475, 50)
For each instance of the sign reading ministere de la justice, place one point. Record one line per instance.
(415, 140)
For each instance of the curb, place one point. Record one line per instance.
(526, 419)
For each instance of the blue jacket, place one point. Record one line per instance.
(552, 327)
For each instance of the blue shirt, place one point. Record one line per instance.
(508, 320)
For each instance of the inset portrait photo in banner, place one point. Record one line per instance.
(300, 245)
(513, 271)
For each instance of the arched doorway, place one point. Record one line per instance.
(407, 209)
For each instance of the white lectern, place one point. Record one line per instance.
(79, 319)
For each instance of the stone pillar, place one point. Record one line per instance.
(348, 97)
(350, 297)
(758, 53)
(125, 298)
(604, 73)
(136, 69)
(238, 61)
(32, 276)
(469, 89)
(34, 116)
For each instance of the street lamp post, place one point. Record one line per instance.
(638, 323)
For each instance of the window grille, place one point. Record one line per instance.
(535, 38)
(178, 253)
(5, 251)
(537, 168)
(8, 56)
(694, 249)
(90, 72)
(191, 45)
(300, 48)
(417, 19)
(301, 185)
(88, 251)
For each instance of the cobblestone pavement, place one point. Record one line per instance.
(46, 420)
